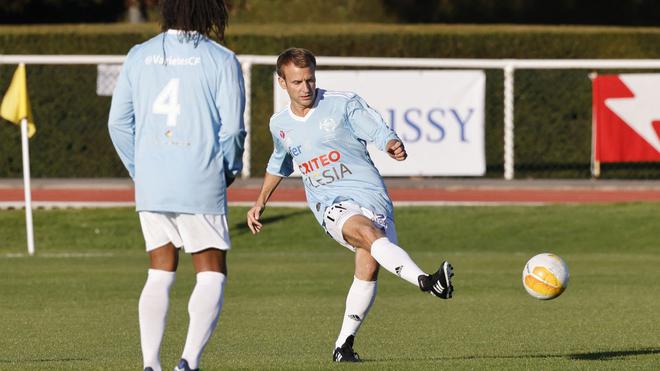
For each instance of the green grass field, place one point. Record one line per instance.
(74, 304)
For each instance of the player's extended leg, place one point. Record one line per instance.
(205, 304)
(359, 231)
(154, 302)
(358, 302)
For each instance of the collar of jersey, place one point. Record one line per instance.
(309, 113)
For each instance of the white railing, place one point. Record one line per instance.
(508, 66)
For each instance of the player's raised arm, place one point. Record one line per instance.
(254, 214)
(368, 124)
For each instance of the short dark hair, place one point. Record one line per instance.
(300, 57)
(205, 17)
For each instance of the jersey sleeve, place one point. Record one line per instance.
(231, 105)
(121, 119)
(367, 123)
(280, 162)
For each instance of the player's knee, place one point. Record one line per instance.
(371, 234)
(366, 235)
(165, 258)
(213, 260)
(168, 264)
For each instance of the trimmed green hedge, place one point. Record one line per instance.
(620, 12)
(552, 117)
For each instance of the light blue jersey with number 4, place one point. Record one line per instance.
(329, 148)
(176, 122)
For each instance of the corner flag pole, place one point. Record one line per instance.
(15, 108)
(26, 185)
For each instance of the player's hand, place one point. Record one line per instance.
(253, 216)
(396, 150)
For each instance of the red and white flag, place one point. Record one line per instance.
(626, 111)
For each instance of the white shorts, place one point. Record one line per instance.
(336, 215)
(193, 232)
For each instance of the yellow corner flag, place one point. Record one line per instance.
(16, 105)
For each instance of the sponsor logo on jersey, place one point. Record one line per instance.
(286, 137)
(324, 169)
(172, 60)
(319, 162)
(331, 174)
(295, 151)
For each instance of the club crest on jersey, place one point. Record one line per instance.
(328, 124)
(282, 134)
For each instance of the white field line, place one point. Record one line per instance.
(63, 204)
(303, 204)
(469, 203)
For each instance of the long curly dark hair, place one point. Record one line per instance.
(206, 17)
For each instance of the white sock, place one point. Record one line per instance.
(358, 302)
(204, 309)
(154, 301)
(395, 260)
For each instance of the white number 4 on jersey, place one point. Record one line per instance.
(167, 102)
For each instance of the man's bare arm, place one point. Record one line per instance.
(270, 184)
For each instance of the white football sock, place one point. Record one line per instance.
(358, 302)
(204, 309)
(395, 260)
(154, 301)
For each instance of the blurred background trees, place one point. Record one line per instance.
(588, 12)
(61, 11)
(593, 12)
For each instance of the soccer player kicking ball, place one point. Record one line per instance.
(176, 121)
(325, 133)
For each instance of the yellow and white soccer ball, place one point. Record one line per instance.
(545, 276)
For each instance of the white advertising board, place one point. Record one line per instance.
(439, 115)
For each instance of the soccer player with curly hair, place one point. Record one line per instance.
(176, 121)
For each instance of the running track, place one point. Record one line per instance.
(421, 191)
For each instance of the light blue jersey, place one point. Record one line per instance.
(176, 121)
(328, 146)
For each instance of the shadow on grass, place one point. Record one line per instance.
(38, 360)
(589, 356)
(241, 228)
(602, 356)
